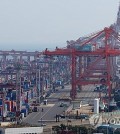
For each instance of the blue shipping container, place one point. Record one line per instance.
(25, 111)
(13, 96)
(87, 47)
(0, 102)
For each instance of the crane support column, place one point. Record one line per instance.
(73, 91)
(107, 56)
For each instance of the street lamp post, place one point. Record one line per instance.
(18, 90)
(50, 73)
(39, 84)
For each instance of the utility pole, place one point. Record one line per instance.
(39, 84)
(36, 82)
(50, 72)
(18, 91)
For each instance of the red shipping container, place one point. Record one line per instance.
(13, 109)
(9, 105)
(1, 111)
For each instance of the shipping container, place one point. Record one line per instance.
(29, 94)
(8, 98)
(26, 85)
(9, 95)
(25, 111)
(13, 106)
(58, 83)
(32, 95)
(13, 95)
(25, 106)
(45, 102)
(46, 83)
(22, 130)
(1, 101)
(9, 105)
(35, 109)
(0, 110)
(87, 47)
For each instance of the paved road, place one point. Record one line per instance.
(61, 92)
(88, 94)
(47, 115)
(53, 108)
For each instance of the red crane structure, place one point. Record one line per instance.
(94, 65)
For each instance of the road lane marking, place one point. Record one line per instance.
(36, 115)
(48, 105)
(27, 117)
(40, 113)
(46, 112)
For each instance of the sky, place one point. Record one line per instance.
(34, 25)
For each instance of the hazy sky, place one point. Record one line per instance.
(37, 24)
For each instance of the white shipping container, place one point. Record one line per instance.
(23, 130)
(97, 133)
(96, 106)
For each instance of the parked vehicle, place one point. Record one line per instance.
(62, 116)
(83, 116)
(105, 129)
(97, 89)
(43, 124)
(11, 116)
(30, 110)
(35, 104)
(35, 109)
(63, 105)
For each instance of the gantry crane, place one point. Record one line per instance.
(99, 69)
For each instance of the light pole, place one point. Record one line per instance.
(50, 72)
(38, 75)
(36, 82)
(18, 91)
(39, 84)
